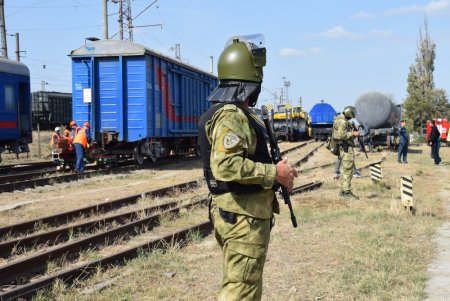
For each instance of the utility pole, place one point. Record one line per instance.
(43, 84)
(105, 19)
(17, 47)
(178, 51)
(126, 21)
(125, 15)
(212, 64)
(286, 87)
(3, 29)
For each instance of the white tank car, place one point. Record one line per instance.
(377, 111)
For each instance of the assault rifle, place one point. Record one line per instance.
(276, 157)
(360, 139)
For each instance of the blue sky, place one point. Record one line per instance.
(330, 50)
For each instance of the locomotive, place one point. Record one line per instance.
(291, 123)
(140, 103)
(15, 113)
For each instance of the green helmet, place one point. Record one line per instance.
(242, 59)
(350, 112)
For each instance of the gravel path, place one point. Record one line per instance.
(438, 284)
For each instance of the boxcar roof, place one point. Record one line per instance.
(108, 48)
(13, 67)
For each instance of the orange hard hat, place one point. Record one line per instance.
(87, 124)
(72, 123)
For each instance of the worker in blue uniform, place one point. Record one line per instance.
(404, 141)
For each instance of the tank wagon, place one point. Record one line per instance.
(139, 102)
(322, 117)
(15, 113)
(50, 109)
(376, 111)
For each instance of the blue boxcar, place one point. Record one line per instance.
(322, 117)
(15, 113)
(137, 99)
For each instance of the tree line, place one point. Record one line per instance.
(424, 101)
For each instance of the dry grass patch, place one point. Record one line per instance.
(371, 249)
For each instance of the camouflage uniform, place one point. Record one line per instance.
(343, 134)
(245, 240)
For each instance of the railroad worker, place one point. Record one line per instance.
(74, 129)
(344, 134)
(239, 171)
(404, 141)
(56, 137)
(66, 134)
(435, 137)
(80, 143)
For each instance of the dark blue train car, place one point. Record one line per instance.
(138, 101)
(15, 113)
(322, 116)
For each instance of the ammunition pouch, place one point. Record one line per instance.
(217, 187)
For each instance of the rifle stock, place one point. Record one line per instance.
(276, 157)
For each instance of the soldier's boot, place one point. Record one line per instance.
(349, 195)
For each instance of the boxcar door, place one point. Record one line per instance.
(109, 96)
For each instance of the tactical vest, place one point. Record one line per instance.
(261, 154)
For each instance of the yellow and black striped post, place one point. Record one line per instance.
(376, 173)
(406, 191)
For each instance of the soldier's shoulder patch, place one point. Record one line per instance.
(230, 140)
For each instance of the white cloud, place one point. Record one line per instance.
(431, 7)
(289, 52)
(362, 16)
(315, 50)
(337, 32)
(381, 33)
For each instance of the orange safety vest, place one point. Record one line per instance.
(77, 129)
(81, 137)
(55, 136)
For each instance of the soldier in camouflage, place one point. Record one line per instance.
(239, 171)
(344, 133)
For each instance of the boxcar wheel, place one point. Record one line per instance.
(138, 155)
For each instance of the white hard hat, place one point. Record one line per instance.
(57, 129)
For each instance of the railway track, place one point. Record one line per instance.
(46, 176)
(23, 277)
(15, 168)
(21, 181)
(306, 157)
(29, 246)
